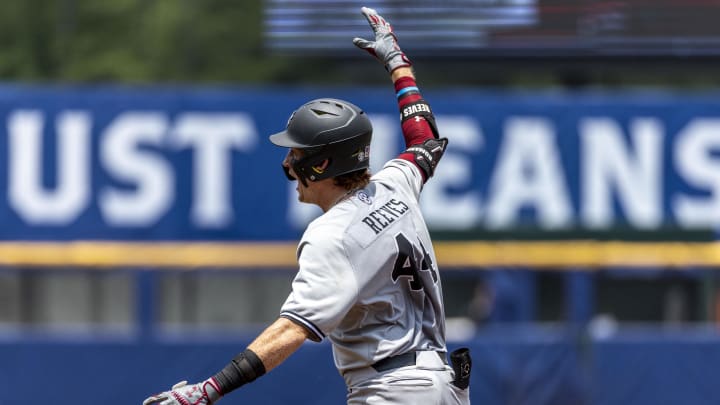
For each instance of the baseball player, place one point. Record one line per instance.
(368, 278)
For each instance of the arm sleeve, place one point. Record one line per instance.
(415, 131)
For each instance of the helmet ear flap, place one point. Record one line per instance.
(312, 167)
(320, 168)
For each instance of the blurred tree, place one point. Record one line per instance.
(133, 41)
(24, 39)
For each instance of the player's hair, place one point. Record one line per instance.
(353, 180)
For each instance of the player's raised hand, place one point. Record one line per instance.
(204, 393)
(385, 46)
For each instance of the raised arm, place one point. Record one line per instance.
(423, 143)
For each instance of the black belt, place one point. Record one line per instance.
(402, 360)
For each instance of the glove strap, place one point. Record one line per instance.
(246, 367)
(397, 61)
(211, 389)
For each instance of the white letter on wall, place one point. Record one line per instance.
(442, 209)
(212, 137)
(696, 165)
(27, 196)
(151, 176)
(607, 167)
(528, 174)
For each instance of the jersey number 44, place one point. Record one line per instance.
(410, 261)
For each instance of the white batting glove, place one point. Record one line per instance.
(204, 393)
(385, 47)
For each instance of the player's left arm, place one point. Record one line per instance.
(424, 145)
(422, 140)
(272, 347)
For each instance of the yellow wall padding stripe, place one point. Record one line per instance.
(579, 254)
(150, 254)
(251, 255)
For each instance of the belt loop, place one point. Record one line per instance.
(443, 357)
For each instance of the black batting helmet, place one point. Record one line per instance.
(330, 129)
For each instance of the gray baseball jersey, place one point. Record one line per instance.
(368, 278)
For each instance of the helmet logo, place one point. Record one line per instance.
(363, 155)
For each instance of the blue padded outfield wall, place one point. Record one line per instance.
(155, 164)
(195, 164)
(514, 366)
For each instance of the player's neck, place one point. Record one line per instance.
(333, 196)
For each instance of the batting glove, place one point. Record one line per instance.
(204, 393)
(385, 47)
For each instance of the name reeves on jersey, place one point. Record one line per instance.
(385, 215)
